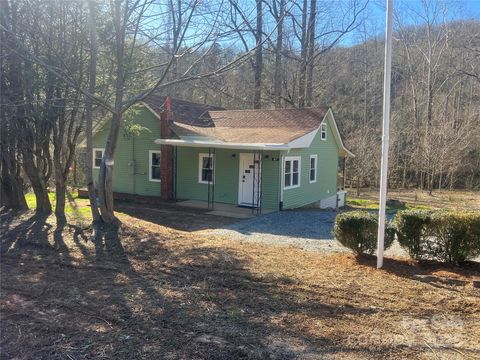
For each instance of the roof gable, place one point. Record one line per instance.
(336, 134)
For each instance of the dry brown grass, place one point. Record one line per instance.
(455, 199)
(155, 292)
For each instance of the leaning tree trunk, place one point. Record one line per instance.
(105, 178)
(92, 74)
(38, 185)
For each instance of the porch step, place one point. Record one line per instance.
(232, 214)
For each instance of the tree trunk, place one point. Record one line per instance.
(303, 58)
(440, 181)
(257, 100)
(12, 196)
(105, 178)
(430, 182)
(60, 190)
(311, 51)
(11, 93)
(38, 184)
(92, 74)
(278, 76)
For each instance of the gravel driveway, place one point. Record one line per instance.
(306, 229)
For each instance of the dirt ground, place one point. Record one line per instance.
(460, 200)
(151, 291)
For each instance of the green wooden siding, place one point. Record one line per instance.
(327, 165)
(226, 176)
(136, 148)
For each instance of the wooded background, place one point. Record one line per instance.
(67, 64)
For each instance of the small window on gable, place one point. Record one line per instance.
(97, 158)
(154, 165)
(323, 131)
(206, 168)
(313, 168)
(291, 172)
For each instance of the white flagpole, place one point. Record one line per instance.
(386, 128)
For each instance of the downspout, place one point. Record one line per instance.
(175, 173)
(213, 159)
(134, 170)
(253, 182)
(260, 192)
(282, 161)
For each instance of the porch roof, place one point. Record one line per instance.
(222, 145)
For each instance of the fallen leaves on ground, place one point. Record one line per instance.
(151, 291)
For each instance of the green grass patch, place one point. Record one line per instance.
(362, 203)
(373, 205)
(73, 206)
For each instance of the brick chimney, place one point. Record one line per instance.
(166, 157)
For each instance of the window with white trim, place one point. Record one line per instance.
(206, 168)
(291, 172)
(97, 157)
(154, 165)
(313, 169)
(323, 131)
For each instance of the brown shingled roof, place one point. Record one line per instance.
(279, 126)
(185, 112)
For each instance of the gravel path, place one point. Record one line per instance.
(306, 229)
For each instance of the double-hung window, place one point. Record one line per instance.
(154, 165)
(323, 131)
(313, 169)
(291, 172)
(206, 168)
(97, 157)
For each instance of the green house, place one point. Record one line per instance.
(263, 159)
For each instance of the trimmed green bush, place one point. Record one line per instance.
(411, 226)
(357, 230)
(445, 236)
(454, 236)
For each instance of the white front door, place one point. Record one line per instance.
(249, 180)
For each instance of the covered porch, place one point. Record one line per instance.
(240, 180)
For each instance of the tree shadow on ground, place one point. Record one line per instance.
(137, 294)
(32, 232)
(427, 271)
(174, 217)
